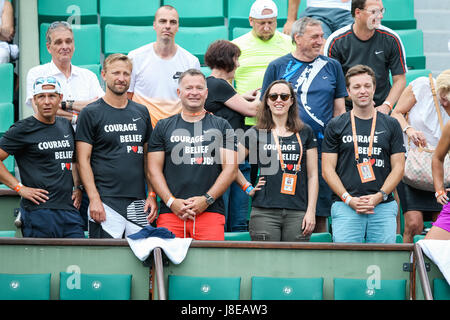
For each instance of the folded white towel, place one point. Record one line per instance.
(439, 252)
(175, 249)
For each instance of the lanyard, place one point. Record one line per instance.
(372, 132)
(280, 155)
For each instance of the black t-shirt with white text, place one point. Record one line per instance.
(44, 155)
(388, 140)
(192, 161)
(263, 151)
(117, 137)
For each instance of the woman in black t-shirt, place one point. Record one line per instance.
(223, 101)
(285, 150)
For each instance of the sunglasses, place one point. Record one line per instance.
(283, 96)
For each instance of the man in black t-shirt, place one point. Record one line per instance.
(369, 43)
(43, 146)
(112, 137)
(192, 160)
(363, 161)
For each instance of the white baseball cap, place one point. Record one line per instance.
(259, 6)
(40, 83)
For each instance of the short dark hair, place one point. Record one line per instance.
(221, 55)
(357, 4)
(191, 72)
(357, 70)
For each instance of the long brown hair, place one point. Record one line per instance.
(264, 116)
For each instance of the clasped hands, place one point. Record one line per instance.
(366, 204)
(187, 209)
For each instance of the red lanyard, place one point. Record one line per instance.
(280, 155)
(355, 139)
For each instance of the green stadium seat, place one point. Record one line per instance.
(62, 10)
(267, 288)
(321, 237)
(237, 236)
(416, 73)
(25, 286)
(87, 44)
(95, 286)
(9, 164)
(202, 13)
(204, 288)
(356, 289)
(95, 68)
(239, 10)
(441, 289)
(6, 82)
(123, 39)
(399, 14)
(6, 117)
(7, 234)
(206, 71)
(413, 42)
(197, 39)
(418, 237)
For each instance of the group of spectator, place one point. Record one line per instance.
(304, 131)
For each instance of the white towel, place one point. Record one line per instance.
(439, 252)
(175, 249)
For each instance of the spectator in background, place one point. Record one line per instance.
(319, 85)
(333, 14)
(157, 66)
(8, 52)
(423, 130)
(369, 43)
(363, 160)
(285, 150)
(192, 162)
(259, 47)
(79, 86)
(441, 228)
(223, 101)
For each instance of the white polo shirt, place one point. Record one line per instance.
(153, 77)
(82, 85)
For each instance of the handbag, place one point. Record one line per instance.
(418, 173)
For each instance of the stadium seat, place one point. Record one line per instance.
(197, 39)
(63, 10)
(25, 286)
(204, 288)
(7, 234)
(399, 14)
(94, 286)
(239, 10)
(6, 117)
(6, 82)
(321, 237)
(418, 237)
(95, 68)
(413, 43)
(416, 73)
(123, 39)
(399, 238)
(267, 288)
(206, 71)
(87, 44)
(357, 289)
(441, 290)
(237, 236)
(9, 164)
(201, 13)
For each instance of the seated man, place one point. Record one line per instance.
(8, 51)
(43, 146)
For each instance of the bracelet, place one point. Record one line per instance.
(245, 186)
(170, 201)
(152, 194)
(348, 199)
(406, 128)
(440, 193)
(18, 187)
(70, 105)
(249, 189)
(74, 118)
(388, 103)
(79, 187)
(344, 196)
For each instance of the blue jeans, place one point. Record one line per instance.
(349, 226)
(236, 204)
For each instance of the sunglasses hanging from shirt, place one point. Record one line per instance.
(365, 169)
(289, 180)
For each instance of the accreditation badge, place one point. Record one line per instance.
(366, 172)
(288, 183)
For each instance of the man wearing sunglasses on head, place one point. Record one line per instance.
(320, 88)
(80, 86)
(43, 146)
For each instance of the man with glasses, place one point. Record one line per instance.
(367, 42)
(320, 87)
(79, 86)
(43, 146)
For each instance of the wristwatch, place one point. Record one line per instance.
(209, 200)
(385, 195)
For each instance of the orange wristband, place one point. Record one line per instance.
(152, 194)
(245, 186)
(440, 193)
(18, 187)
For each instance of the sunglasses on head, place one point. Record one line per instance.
(283, 96)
